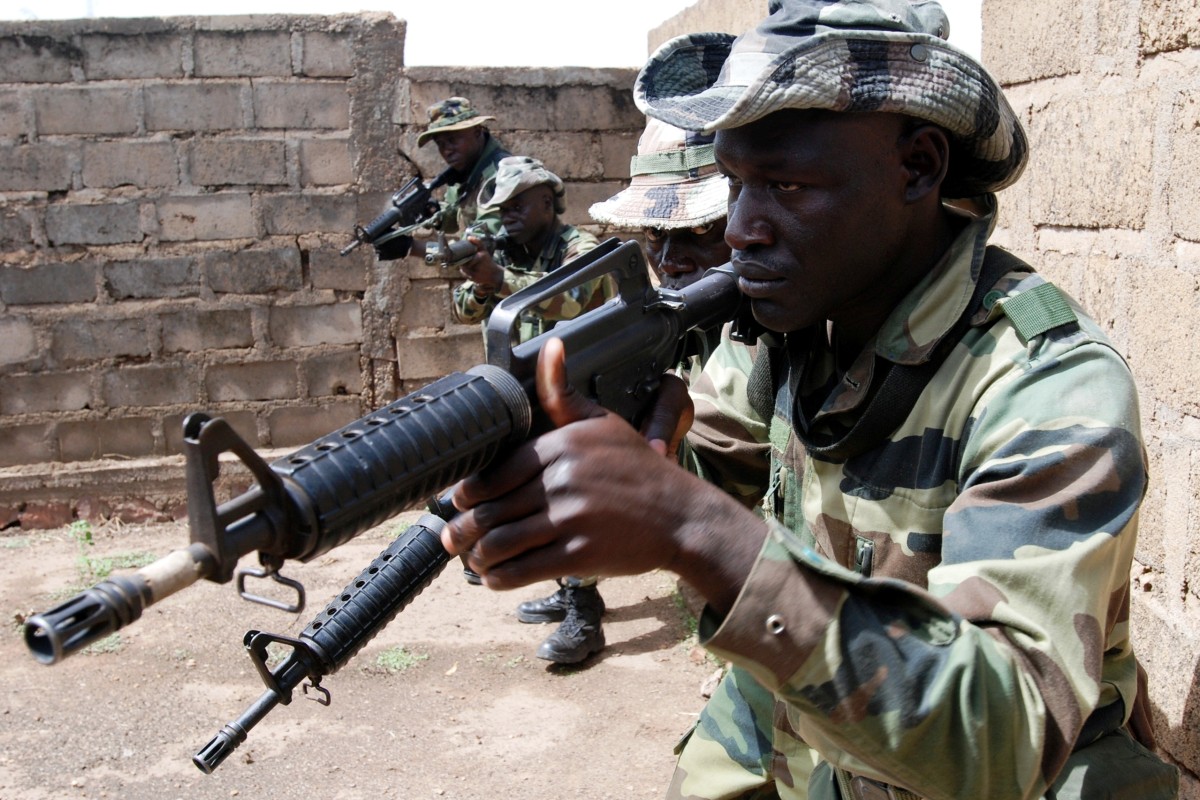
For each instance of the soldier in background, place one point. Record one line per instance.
(472, 152)
(535, 241)
(677, 200)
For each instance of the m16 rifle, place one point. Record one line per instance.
(410, 208)
(359, 476)
(453, 252)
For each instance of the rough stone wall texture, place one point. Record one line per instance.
(1109, 93)
(173, 197)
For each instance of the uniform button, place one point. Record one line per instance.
(919, 52)
(775, 624)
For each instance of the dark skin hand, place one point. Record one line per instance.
(832, 218)
(552, 507)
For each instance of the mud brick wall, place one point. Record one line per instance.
(173, 197)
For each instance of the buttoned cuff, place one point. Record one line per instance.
(786, 606)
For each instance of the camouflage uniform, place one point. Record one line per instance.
(978, 555)
(515, 176)
(460, 206)
(522, 268)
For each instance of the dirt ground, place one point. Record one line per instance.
(465, 710)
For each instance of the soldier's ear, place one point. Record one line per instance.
(925, 153)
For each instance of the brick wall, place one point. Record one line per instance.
(173, 197)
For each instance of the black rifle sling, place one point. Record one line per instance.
(898, 385)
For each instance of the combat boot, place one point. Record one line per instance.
(549, 609)
(580, 634)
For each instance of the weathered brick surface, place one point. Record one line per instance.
(106, 438)
(78, 340)
(227, 161)
(196, 331)
(18, 340)
(87, 110)
(331, 270)
(151, 385)
(223, 54)
(94, 224)
(37, 58)
(48, 283)
(26, 444)
(308, 213)
(126, 57)
(333, 374)
(301, 104)
(310, 326)
(252, 380)
(206, 217)
(145, 164)
(38, 167)
(325, 162)
(152, 278)
(41, 392)
(207, 106)
(328, 55)
(257, 271)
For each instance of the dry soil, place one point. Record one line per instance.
(448, 701)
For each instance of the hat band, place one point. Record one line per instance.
(683, 160)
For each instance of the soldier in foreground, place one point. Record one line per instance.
(943, 448)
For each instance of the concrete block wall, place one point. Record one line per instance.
(173, 197)
(1108, 208)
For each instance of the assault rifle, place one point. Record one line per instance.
(333, 489)
(452, 252)
(411, 208)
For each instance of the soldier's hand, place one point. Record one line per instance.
(482, 270)
(591, 497)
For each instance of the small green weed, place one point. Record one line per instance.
(397, 659)
(690, 623)
(92, 569)
(109, 644)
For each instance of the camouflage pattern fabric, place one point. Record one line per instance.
(515, 175)
(852, 55)
(522, 268)
(451, 114)
(673, 184)
(460, 204)
(957, 596)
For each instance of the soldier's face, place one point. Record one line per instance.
(528, 216)
(679, 256)
(460, 149)
(817, 214)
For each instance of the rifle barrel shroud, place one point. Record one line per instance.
(359, 476)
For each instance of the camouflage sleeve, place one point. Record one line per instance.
(1022, 634)
(727, 444)
(467, 308)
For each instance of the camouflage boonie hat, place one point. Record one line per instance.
(514, 175)
(842, 55)
(674, 184)
(453, 114)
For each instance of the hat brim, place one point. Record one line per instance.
(425, 136)
(862, 70)
(647, 203)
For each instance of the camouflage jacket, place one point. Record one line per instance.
(460, 204)
(522, 268)
(947, 612)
